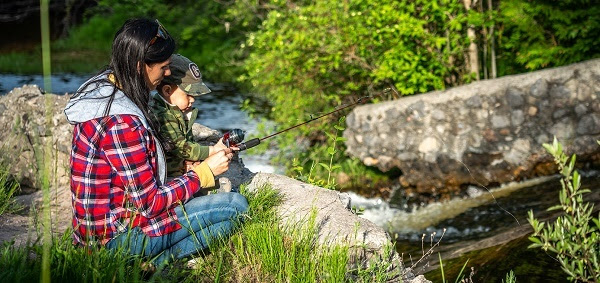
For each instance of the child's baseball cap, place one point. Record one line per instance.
(186, 75)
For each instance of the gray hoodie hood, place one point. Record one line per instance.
(91, 104)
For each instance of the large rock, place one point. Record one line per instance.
(34, 133)
(487, 132)
(335, 223)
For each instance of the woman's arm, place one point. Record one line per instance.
(125, 146)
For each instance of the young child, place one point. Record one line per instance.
(172, 106)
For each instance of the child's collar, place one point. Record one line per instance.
(163, 99)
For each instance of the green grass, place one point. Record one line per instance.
(459, 278)
(24, 263)
(260, 251)
(8, 187)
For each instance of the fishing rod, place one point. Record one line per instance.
(235, 137)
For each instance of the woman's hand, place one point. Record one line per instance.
(219, 161)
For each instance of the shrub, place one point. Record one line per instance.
(573, 236)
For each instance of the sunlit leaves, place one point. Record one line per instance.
(312, 57)
(539, 34)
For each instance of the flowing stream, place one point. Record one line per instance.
(488, 227)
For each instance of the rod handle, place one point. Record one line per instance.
(249, 144)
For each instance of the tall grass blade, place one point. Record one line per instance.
(460, 274)
(47, 236)
(442, 268)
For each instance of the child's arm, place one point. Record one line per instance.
(186, 149)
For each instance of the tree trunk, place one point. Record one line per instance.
(473, 58)
(493, 47)
(66, 21)
(484, 63)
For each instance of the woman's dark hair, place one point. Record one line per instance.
(136, 41)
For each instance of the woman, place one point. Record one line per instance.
(120, 197)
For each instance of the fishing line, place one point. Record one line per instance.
(361, 99)
(235, 137)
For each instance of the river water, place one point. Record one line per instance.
(488, 227)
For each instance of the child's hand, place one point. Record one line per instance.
(190, 164)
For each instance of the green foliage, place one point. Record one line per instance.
(510, 278)
(308, 58)
(328, 48)
(96, 34)
(205, 31)
(306, 177)
(289, 253)
(354, 173)
(574, 236)
(21, 62)
(332, 150)
(304, 167)
(266, 251)
(63, 60)
(382, 269)
(539, 34)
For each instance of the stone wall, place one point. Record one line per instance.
(487, 132)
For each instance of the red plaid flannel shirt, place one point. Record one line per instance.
(113, 183)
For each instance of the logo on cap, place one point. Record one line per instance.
(195, 70)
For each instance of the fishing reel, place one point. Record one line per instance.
(235, 137)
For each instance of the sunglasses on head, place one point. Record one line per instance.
(162, 33)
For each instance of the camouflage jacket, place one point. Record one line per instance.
(175, 128)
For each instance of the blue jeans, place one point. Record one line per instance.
(203, 219)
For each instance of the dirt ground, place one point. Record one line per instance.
(26, 225)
